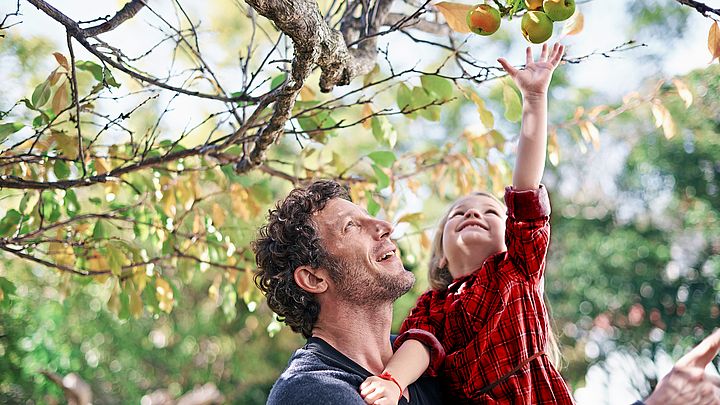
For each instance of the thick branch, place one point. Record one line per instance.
(127, 12)
(702, 8)
(315, 44)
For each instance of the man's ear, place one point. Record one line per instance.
(311, 280)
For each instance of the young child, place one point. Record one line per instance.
(486, 304)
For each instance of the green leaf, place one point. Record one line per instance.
(421, 99)
(9, 129)
(383, 131)
(437, 86)
(8, 225)
(116, 258)
(383, 158)
(381, 179)
(431, 113)
(373, 207)
(41, 95)
(92, 67)
(100, 73)
(405, 100)
(513, 106)
(278, 80)
(7, 288)
(72, 205)
(99, 232)
(61, 169)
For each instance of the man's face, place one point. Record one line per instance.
(366, 262)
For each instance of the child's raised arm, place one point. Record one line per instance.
(407, 365)
(533, 82)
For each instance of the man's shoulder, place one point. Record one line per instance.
(307, 379)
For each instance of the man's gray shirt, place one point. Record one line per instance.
(319, 374)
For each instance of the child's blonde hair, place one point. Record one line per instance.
(440, 278)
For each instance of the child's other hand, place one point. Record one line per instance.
(377, 391)
(534, 79)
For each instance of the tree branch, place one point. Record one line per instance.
(79, 34)
(702, 8)
(127, 12)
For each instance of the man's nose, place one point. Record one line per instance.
(383, 229)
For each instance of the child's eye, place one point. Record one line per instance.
(494, 212)
(456, 213)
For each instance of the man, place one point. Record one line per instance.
(331, 271)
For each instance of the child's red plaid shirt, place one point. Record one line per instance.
(494, 320)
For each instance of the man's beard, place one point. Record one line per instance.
(359, 286)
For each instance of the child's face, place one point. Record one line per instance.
(475, 229)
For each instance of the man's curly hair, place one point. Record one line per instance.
(287, 241)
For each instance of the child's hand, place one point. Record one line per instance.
(534, 79)
(377, 391)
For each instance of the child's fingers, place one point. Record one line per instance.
(367, 389)
(528, 56)
(557, 55)
(543, 53)
(373, 397)
(508, 68)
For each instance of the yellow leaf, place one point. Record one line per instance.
(574, 25)
(197, 226)
(239, 198)
(486, 117)
(669, 126)
(168, 202)
(101, 165)
(218, 215)
(2, 295)
(367, 112)
(425, 242)
(411, 217)
(307, 94)
(62, 253)
(659, 112)
(683, 91)
(590, 133)
(214, 290)
(61, 60)
(136, 305)
(243, 285)
(553, 148)
(164, 295)
(714, 41)
(66, 144)
(60, 100)
(455, 14)
(113, 303)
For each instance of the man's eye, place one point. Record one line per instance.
(349, 224)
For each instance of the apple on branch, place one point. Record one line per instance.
(483, 19)
(559, 10)
(536, 27)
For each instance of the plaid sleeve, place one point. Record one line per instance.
(424, 324)
(527, 233)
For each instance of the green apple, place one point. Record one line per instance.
(483, 19)
(534, 4)
(536, 26)
(559, 10)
